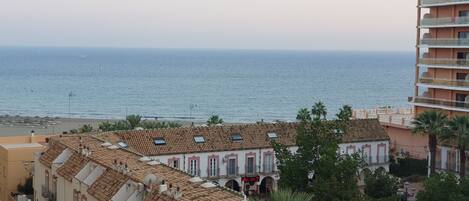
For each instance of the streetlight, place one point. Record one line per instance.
(191, 107)
(70, 95)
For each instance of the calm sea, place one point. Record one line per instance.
(239, 85)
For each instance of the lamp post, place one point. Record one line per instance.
(70, 95)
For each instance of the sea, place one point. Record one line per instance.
(192, 84)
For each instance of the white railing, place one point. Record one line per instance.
(388, 115)
(445, 42)
(444, 21)
(430, 2)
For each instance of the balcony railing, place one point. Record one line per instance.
(232, 171)
(250, 171)
(194, 172)
(213, 172)
(439, 103)
(444, 82)
(445, 21)
(444, 62)
(268, 168)
(441, 2)
(45, 191)
(445, 42)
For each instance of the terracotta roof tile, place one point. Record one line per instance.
(51, 154)
(180, 140)
(72, 166)
(111, 181)
(107, 185)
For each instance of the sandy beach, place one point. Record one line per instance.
(21, 125)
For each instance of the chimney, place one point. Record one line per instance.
(178, 194)
(32, 137)
(163, 187)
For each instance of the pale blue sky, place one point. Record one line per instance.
(239, 24)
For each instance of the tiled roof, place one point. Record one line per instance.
(107, 185)
(51, 154)
(217, 138)
(110, 182)
(361, 130)
(72, 166)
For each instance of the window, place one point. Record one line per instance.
(75, 195)
(174, 162)
(464, 13)
(250, 165)
(236, 137)
(46, 181)
(159, 141)
(232, 167)
(268, 162)
(463, 35)
(272, 135)
(213, 166)
(194, 167)
(122, 144)
(199, 139)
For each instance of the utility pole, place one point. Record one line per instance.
(70, 95)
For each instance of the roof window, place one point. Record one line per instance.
(236, 137)
(199, 139)
(159, 141)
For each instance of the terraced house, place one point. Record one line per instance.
(442, 71)
(241, 157)
(84, 168)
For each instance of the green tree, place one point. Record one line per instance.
(380, 184)
(345, 113)
(433, 124)
(214, 120)
(316, 167)
(289, 195)
(303, 115)
(444, 187)
(134, 120)
(85, 128)
(319, 110)
(121, 125)
(105, 126)
(458, 130)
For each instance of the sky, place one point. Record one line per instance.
(384, 25)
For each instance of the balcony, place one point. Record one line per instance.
(461, 85)
(432, 3)
(250, 171)
(268, 169)
(444, 63)
(439, 103)
(232, 171)
(45, 191)
(213, 172)
(442, 22)
(444, 43)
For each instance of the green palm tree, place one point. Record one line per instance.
(134, 120)
(345, 113)
(214, 120)
(458, 130)
(319, 110)
(288, 195)
(303, 115)
(433, 124)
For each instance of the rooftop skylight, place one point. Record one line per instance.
(159, 141)
(272, 135)
(236, 137)
(199, 139)
(122, 144)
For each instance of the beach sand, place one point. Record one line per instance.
(20, 125)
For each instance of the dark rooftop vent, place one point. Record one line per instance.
(236, 137)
